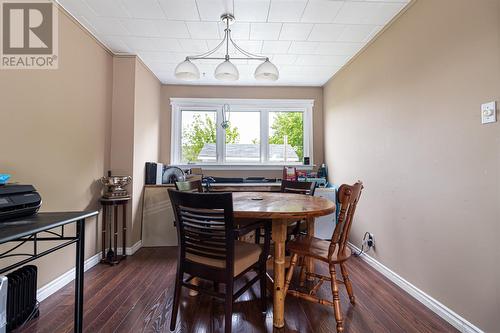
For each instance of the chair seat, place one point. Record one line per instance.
(245, 255)
(316, 248)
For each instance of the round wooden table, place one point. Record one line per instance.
(281, 209)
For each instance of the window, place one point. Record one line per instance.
(258, 132)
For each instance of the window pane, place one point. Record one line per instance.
(199, 133)
(286, 137)
(243, 137)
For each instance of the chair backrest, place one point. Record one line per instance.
(189, 186)
(348, 196)
(306, 188)
(205, 226)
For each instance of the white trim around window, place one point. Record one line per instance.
(264, 106)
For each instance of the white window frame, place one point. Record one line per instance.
(264, 106)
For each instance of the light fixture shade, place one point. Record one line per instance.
(267, 71)
(187, 71)
(227, 71)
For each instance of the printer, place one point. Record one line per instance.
(18, 201)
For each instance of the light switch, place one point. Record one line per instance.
(489, 112)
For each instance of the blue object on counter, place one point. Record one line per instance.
(4, 178)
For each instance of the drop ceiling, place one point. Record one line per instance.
(309, 40)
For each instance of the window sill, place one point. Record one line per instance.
(243, 166)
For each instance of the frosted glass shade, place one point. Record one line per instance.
(187, 71)
(267, 71)
(227, 71)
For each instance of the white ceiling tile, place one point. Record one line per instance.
(153, 44)
(356, 33)
(295, 31)
(265, 31)
(326, 32)
(180, 10)
(321, 11)
(107, 26)
(241, 30)
(321, 60)
(211, 10)
(252, 46)
(284, 59)
(368, 12)
(338, 48)
(251, 10)
(272, 46)
(172, 29)
(193, 46)
(203, 30)
(108, 8)
(303, 47)
(77, 8)
(286, 10)
(165, 57)
(309, 40)
(140, 27)
(143, 9)
(115, 43)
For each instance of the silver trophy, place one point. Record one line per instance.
(114, 186)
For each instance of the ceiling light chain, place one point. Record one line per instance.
(226, 70)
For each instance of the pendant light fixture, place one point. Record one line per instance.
(226, 70)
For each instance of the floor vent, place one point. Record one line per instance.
(21, 296)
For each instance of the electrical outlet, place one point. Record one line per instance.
(370, 241)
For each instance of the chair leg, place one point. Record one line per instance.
(347, 282)
(257, 236)
(175, 305)
(302, 274)
(336, 299)
(228, 307)
(289, 274)
(263, 287)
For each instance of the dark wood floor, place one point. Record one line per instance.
(136, 296)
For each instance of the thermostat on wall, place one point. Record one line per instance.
(489, 112)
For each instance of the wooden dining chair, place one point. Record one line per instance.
(189, 186)
(208, 249)
(305, 188)
(331, 252)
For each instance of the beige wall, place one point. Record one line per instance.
(55, 133)
(135, 131)
(186, 91)
(404, 117)
(122, 126)
(146, 137)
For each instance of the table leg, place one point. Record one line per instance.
(124, 221)
(310, 260)
(103, 237)
(115, 235)
(80, 257)
(279, 237)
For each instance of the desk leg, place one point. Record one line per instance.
(80, 257)
(279, 237)
(310, 260)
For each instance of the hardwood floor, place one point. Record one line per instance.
(136, 296)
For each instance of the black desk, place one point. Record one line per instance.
(27, 229)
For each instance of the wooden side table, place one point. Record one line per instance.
(110, 207)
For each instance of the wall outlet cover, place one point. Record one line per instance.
(489, 112)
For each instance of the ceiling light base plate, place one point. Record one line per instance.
(227, 18)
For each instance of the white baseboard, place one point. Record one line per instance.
(434, 305)
(59, 282)
(64, 279)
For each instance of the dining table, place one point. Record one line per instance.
(281, 209)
